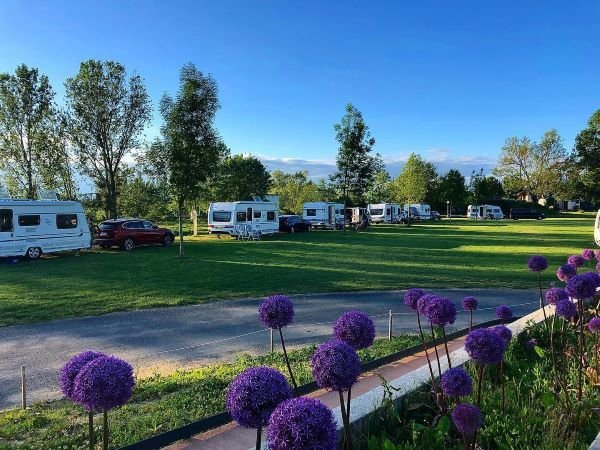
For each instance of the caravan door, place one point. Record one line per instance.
(331, 214)
(7, 235)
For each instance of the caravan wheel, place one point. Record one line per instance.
(34, 253)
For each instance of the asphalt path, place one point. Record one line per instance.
(165, 339)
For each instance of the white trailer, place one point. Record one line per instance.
(482, 212)
(355, 214)
(239, 218)
(385, 212)
(33, 227)
(324, 214)
(419, 211)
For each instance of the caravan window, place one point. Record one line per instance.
(311, 212)
(241, 216)
(257, 214)
(271, 216)
(29, 220)
(64, 221)
(6, 223)
(376, 212)
(222, 216)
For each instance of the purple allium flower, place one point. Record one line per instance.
(254, 394)
(503, 312)
(467, 419)
(276, 311)
(594, 325)
(456, 382)
(302, 423)
(356, 329)
(576, 260)
(593, 277)
(485, 346)
(469, 303)
(504, 333)
(335, 366)
(581, 287)
(423, 303)
(587, 254)
(531, 343)
(537, 263)
(412, 296)
(70, 370)
(441, 311)
(104, 383)
(554, 295)
(566, 272)
(566, 309)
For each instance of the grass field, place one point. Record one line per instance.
(457, 253)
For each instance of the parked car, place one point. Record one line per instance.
(526, 213)
(435, 215)
(129, 233)
(292, 224)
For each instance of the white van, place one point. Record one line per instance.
(385, 212)
(481, 212)
(238, 218)
(324, 214)
(33, 227)
(419, 211)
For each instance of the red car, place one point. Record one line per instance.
(128, 233)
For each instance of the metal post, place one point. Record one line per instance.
(271, 339)
(390, 326)
(23, 389)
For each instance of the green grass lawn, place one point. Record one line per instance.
(457, 253)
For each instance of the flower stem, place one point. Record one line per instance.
(446, 347)
(580, 353)
(479, 382)
(346, 421)
(91, 429)
(426, 353)
(542, 305)
(105, 430)
(287, 362)
(471, 320)
(258, 438)
(437, 356)
(502, 384)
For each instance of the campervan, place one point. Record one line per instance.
(480, 212)
(385, 212)
(238, 218)
(324, 214)
(419, 211)
(355, 215)
(33, 227)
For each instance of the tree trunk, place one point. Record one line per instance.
(180, 209)
(111, 196)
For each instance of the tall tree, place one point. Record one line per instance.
(27, 124)
(412, 183)
(452, 189)
(189, 150)
(241, 177)
(587, 159)
(294, 189)
(484, 188)
(381, 190)
(356, 167)
(106, 114)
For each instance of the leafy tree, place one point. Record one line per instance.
(484, 188)
(241, 177)
(356, 167)
(27, 130)
(294, 189)
(452, 188)
(189, 151)
(412, 184)
(326, 192)
(106, 114)
(142, 197)
(527, 166)
(587, 159)
(381, 190)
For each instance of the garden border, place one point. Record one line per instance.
(208, 423)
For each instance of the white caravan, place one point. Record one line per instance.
(33, 227)
(597, 229)
(480, 212)
(355, 214)
(324, 214)
(420, 211)
(385, 212)
(238, 218)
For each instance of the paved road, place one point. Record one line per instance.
(167, 338)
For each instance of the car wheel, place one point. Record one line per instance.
(292, 230)
(128, 244)
(167, 240)
(34, 253)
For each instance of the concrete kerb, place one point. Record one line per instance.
(363, 406)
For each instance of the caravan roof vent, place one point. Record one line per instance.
(48, 195)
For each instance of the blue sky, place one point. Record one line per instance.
(448, 80)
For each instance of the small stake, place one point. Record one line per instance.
(23, 389)
(271, 339)
(390, 326)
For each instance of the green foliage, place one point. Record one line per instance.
(415, 180)
(451, 188)
(587, 160)
(484, 188)
(241, 177)
(106, 114)
(140, 197)
(382, 188)
(159, 403)
(294, 189)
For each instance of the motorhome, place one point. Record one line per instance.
(239, 218)
(481, 212)
(385, 212)
(419, 211)
(355, 215)
(31, 228)
(324, 214)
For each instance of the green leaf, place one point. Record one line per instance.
(443, 425)
(539, 351)
(388, 445)
(548, 399)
